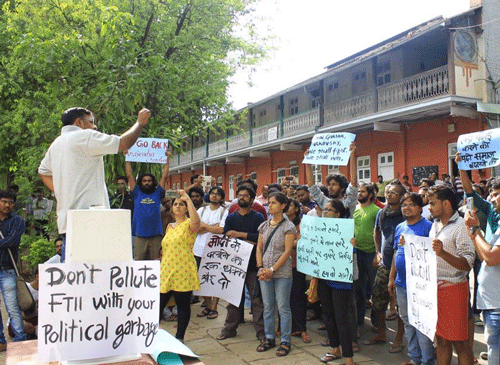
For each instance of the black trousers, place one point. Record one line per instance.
(298, 301)
(183, 302)
(339, 315)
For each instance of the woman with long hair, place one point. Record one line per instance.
(298, 297)
(178, 272)
(338, 303)
(274, 249)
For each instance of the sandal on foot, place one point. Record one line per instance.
(297, 333)
(392, 317)
(396, 348)
(329, 357)
(212, 315)
(204, 312)
(305, 337)
(266, 345)
(223, 336)
(283, 349)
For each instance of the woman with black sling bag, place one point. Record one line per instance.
(275, 272)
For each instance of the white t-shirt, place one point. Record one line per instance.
(210, 217)
(75, 162)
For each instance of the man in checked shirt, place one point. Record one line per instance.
(455, 257)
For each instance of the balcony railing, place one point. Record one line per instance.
(185, 158)
(304, 122)
(199, 153)
(414, 89)
(237, 142)
(358, 106)
(217, 148)
(265, 133)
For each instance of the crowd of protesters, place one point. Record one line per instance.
(173, 226)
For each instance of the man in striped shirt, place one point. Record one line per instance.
(12, 228)
(455, 257)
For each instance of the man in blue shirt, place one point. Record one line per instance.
(12, 228)
(420, 348)
(147, 228)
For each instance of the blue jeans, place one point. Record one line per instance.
(8, 286)
(420, 347)
(277, 291)
(492, 332)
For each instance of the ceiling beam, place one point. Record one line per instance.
(235, 160)
(386, 127)
(290, 147)
(259, 154)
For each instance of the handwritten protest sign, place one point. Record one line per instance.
(479, 150)
(92, 310)
(150, 150)
(223, 268)
(421, 284)
(324, 249)
(330, 149)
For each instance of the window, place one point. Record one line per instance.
(363, 169)
(314, 104)
(333, 170)
(386, 165)
(231, 187)
(318, 178)
(384, 73)
(359, 81)
(281, 175)
(294, 171)
(294, 106)
(219, 181)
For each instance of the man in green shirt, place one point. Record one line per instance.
(381, 184)
(364, 223)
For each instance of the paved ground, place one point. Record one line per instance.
(201, 333)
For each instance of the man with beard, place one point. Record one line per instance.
(364, 224)
(196, 194)
(256, 205)
(303, 196)
(212, 218)
(338, 185)
(388, 218)
(122, 198)
(147, 229)
(455, 257)
(243, 224)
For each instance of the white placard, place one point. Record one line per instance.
(150, 150)
(479, 150)
(330, 149)
(223, 268)
(99, 309)
(272, 133)
(421, 284)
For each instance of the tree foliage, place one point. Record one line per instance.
(115, 57)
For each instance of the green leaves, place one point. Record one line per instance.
(173, 57)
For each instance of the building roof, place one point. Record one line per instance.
(433, 24)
